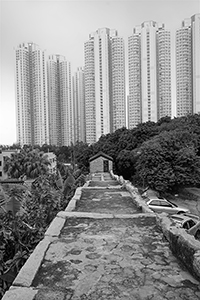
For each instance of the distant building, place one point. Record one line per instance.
(78, 88)
(188, 67)
(104, 83)
(3, 154)
(149, 61)
(53, 162)
(100, 163)
(31, 95)
(61, 109)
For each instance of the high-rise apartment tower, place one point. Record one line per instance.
(79, 105)
(149, 60)
(61, 110)
(104, 83)
(31, 95)
(188, 67)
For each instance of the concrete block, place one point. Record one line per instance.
(78, 192)
(55, 227)
(76, 214)
(71, 205)
(28, 271)
(20, 293)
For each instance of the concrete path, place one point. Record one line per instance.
(103, 249)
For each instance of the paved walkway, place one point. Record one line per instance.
(107, 250)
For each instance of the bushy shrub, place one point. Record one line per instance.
(24, 225)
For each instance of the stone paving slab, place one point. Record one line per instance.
(113, 201)
(112, 259)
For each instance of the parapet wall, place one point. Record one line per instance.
(183, 245)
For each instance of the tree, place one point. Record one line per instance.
(124, 164)
(62, 168)
(29, 163)
(45, 201)
(169, 160)
(63, 154)
(82, 153)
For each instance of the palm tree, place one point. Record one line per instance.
(13, 165)
(29, 163)
(35, 164)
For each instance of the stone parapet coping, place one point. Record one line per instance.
(20, 293)
(65, 215)
(137, 199)
(183, 245)
(30, 268)
(103, 187)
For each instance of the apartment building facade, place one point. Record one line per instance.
(104, 83)
(149, 61)
(61, 110)
(31, 95)
(188, 67)
(78, 83)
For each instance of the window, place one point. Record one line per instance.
(166, 204)
(188, 224)
(155, 202)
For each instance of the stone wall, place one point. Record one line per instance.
(183, 245)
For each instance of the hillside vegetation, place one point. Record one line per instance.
(164, 156)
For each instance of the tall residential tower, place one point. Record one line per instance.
(104, 83)
(149, 59)
(78, 83)
(188, 67)
(61, 111)
(31, 95)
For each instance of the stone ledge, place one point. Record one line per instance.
(78, 192)
(76, 214)
(65, 214)
(20, 293)
(71, 205)
(183, 245)
(55, 227)
(30, 268)
(103, 187)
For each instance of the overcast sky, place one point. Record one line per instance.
(62, 27)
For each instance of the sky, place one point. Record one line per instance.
(62, 27)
